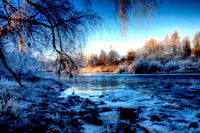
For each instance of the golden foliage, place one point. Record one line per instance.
(151, 46)
(15, 23)
(131, 55)
(141, 10)
(1, 28)
(20, 46)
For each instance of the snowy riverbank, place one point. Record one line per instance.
(102, 103)
(153, 103)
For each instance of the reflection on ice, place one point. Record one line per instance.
(81, 92)
(89, 91)
(173, 98)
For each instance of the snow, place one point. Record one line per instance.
(145, 91)
(90, 128)
(156, 94)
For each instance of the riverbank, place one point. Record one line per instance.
(36, 107)
(148, 66)
(43, 105)
(152, 103)
(125, 67)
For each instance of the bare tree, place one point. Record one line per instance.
(166, 43)
(131, 55)
(93, 60)
(102, 58)
(176, 44)
(128, 10)
(196, 42)
(113, 57)
(58, 25)
(139, 9)
(151, 46)
(44, 24)
(186, 47)
(80, 58)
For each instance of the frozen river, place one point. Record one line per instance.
(162, 84)
(175, 98)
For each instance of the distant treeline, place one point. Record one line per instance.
(112, 58)
(172, 46)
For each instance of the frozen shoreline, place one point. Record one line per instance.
(97, 99)
(175, 107)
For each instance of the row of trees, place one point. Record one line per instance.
(112, 58)
(171, 45)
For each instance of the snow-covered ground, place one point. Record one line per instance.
(167, 103)
(102, 103)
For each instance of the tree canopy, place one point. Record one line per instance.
(58, 25)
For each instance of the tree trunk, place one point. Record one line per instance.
(9, 69)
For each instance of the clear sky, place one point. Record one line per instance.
(183, 15)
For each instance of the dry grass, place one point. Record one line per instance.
(32, 109)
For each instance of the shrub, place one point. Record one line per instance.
(147, 66)
(102, 58)
(93, 60)
(164, 58)
(186, 64)
(141, 66)
(177, 57)
(131, 54)
(113, 57)
(172, 65)
(197, 52)
(23, 64)
(196, 64)
(122, 59)
(155, 66)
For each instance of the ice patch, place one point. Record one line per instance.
(90, 128)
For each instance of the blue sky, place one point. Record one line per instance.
(183, 15)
